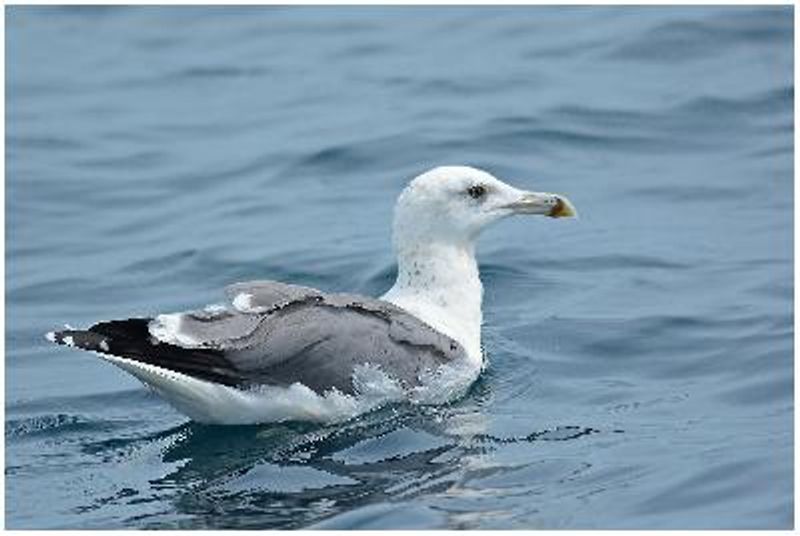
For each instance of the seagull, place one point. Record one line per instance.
(277, 351)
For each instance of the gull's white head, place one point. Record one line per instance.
(436, 221)
(453, 204)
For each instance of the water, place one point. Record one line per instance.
(641, 368)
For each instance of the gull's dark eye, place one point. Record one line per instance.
(477, 191)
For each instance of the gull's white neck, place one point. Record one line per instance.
(439, 283)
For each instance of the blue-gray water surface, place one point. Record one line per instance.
(640, 358)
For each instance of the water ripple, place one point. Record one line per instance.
(640, 359)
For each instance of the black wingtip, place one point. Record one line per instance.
(131, 339)
(85, 340)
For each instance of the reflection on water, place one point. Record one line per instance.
(295, 474)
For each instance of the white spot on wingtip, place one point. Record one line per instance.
(69, 341)
(244, 303)
(103, 346)
(50, 336)
(167, 328)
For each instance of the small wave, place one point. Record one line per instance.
(516, 139)
(155, 264)
(331, 159)
(42, 142)
(362, 50)
(773, 101)
(679, 41)
(140, 160)
(57, 424)
(611, 261)
(559, 433)
(87, 402)
(687, 193)
(219, 71)
(198, 74)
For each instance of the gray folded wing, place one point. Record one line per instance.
(275, 333)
